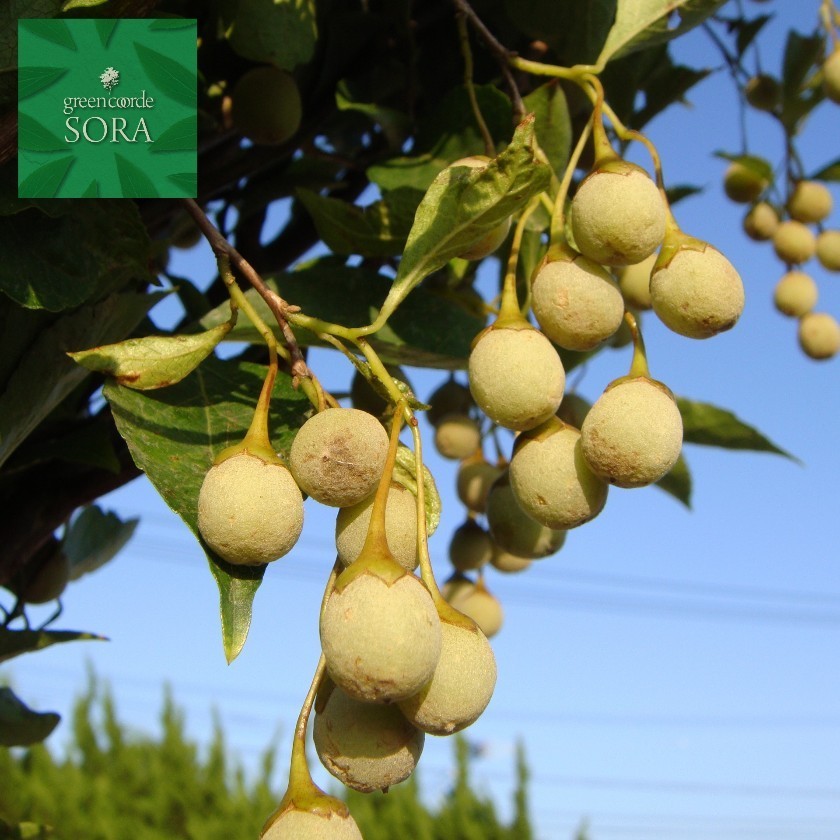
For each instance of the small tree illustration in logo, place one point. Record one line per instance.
(110, 78)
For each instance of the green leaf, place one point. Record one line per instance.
(46, 181)
(829, 172)
(94, 538)
(155, 361)
(642, 23)
(379, 230)
(16, 642)
(92, 190)
(748, 30)
(463, 205)
(182, 136)
(134, 182)
(19, 725)
(187, 182)
(395, 124)
(432, 328)
(174, 80)
(802, 53)
(677, 482)
(55, 30)
(44, 375)
(712, 426)
(105, 29)
(35, 137)
(405, 472)
(553, 124)
(174, 435)
(72, 252)
(279, 32)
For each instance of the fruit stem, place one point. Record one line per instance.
(426, 573)
(509, 311)
(603, 150)
(639, 365)
(466, 54)
(375, 541)
(557, 231)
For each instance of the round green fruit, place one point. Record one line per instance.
(763, 92)
(819, 335)
(470, 547)
(450, 398)
(381, 640)
(794, 243)
(338, 455)
(266, 106)
(514, 530)
(576, 302)
(831, 76)
(352, 523)
(634, 282)
(296, 824)
(457, 436)
(461, 686)
(504, 561)
(810, 202)
(795, 294)
(249, 511)
(366, 746)
(551, 480)
(516, 377)
(618, 216)
(828, 249)
(761, 222)
(743, 184)
(475, 478)
(633, 433)
(475, 602)
(698, 293)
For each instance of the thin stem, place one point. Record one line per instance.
(299, 772)
(466, 53)
(375, 541)
(426, 573)
(278, 306)
(509, 308)
(558, 215)
(639, 365)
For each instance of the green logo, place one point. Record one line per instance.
(107, 108)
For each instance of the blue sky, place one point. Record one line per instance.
(671, 673)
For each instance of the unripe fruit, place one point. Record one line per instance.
(576, 303)
(473, 483)
(828, 249)
(337, 456)
(573, 410)
(471, 547)
(551, 479)
(763, 92)
(698, 293)
(504, 561)
(457, 436)
(634, 282)
(516, 377)
(494, 238)
(633, 433)
(295, 824)
(366, 746)
(456, 587)
(381, 641)
(819, 335)
(475, 602)
(462, 684)
(249, 511)
(831, 76)
(761, 222)
(810, 202)
(618, 216)
(450, 398)
(795, 294)
(743, 184)
(794, 243)
(351, 527)
(266, 105)
(514, 530)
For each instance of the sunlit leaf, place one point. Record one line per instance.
(172, 79)
(16, 642)
(94, 538)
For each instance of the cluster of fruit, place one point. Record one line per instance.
(791, 224)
